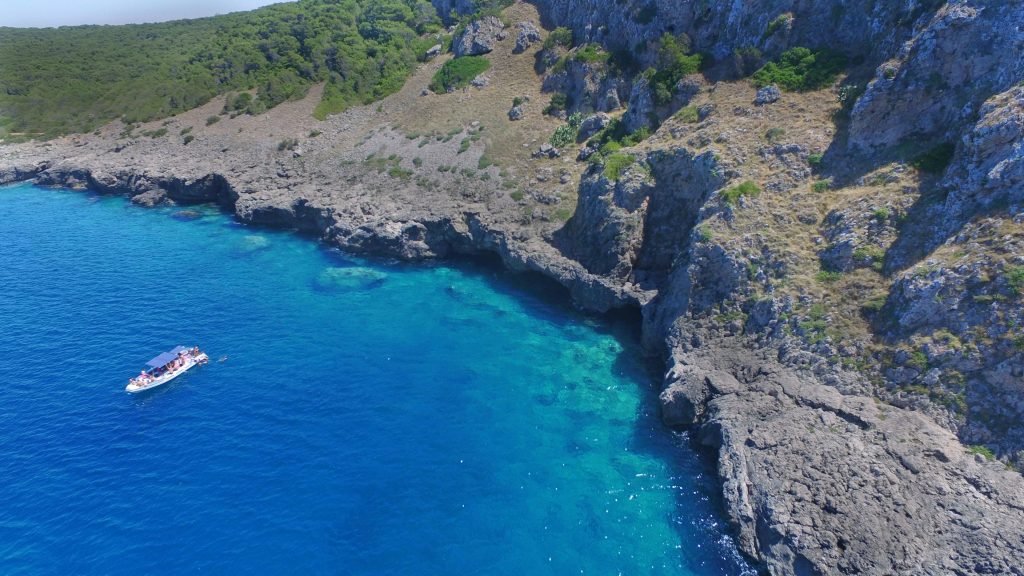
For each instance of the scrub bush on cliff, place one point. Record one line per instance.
(674, 62)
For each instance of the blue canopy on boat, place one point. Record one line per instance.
(166, 357)
(161, 360)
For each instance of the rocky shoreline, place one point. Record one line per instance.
(816, 481)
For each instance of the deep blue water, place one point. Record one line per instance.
(367, 418)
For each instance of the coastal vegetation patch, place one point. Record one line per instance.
(74, 79)
(802, 69)
(458, 72)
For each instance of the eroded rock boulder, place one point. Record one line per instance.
(526, 35)
(479, 37)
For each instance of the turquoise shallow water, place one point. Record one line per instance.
(368, 417)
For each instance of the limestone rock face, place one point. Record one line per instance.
(807, 468)
(640, 109)
(479, 37)
(592, 125)
(970, 51)
(526, 35)
(989, 167)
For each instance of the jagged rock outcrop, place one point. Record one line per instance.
(988, 170)
(805, 467)
(479, 37)
(526, 35)
(969, 51)
(859, 27)
(590, 87)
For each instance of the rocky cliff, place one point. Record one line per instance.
(834, 276)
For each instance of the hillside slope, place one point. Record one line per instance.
(76, 78)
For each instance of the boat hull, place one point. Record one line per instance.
(157, 382)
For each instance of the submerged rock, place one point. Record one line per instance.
(187, 215)
(350, 278)
(254, 243)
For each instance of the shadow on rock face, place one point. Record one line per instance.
(349, 279)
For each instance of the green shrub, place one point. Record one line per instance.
(239, 103)
(185, 131)
(731, 195)
(688, 115)
(882, 214)
(828, 276)
(872, 253)
(314, 133)
(563, 136)
(188, 138)
(400, 173)
(287, 144)
(874, 304)
(815, 160)
(747, 60)
(560, 36)
(516, 195)
(673, 63)
(591, 53)
(484, 162)
(210, 120)
(517, 101)
(1015, 278)
(610, 147)
(774, 134)
(984, 451)
(820, 186)
(935, 160)
(777, 23)
(801, 69)
(559, 102)
(417, 161)
(458, 72)
(614, 164)
(465, 144)
(637, 136)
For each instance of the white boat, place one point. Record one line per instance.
(166, 367)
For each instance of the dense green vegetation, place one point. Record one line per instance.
(560, 36)
(801, 69)
(73, 79)
(674, 62)
(615, 164)
(458, 72)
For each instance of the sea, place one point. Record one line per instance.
(358, 416)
